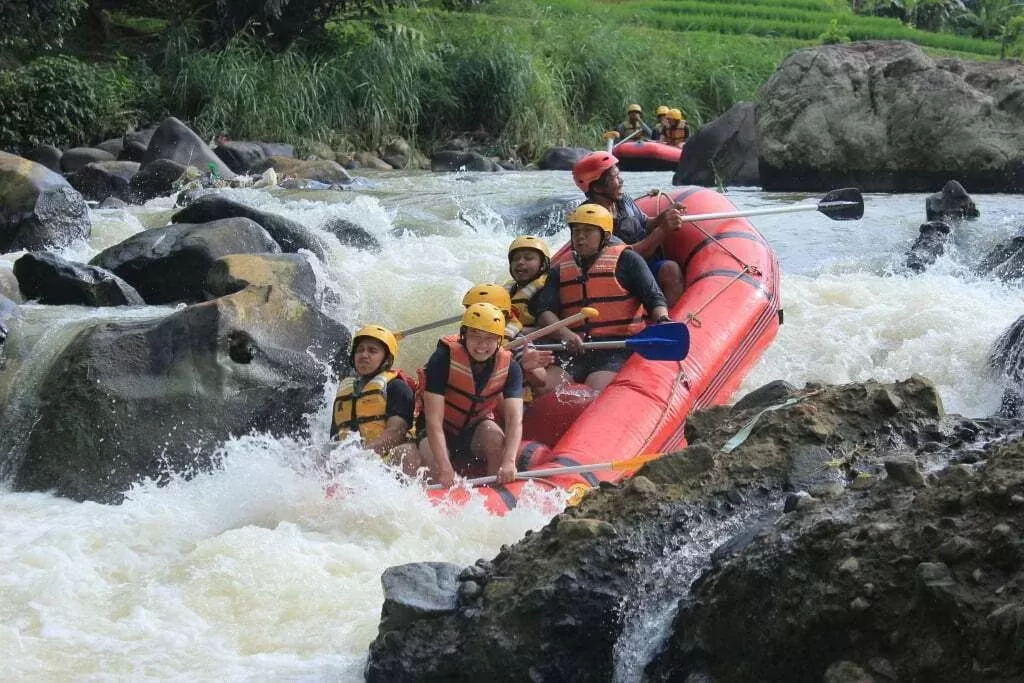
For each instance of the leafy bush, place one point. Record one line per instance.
(65, 102)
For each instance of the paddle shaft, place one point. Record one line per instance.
(557, 471)
(429, 326)
(620, 344)
(548, 329)
(757, 212)
(612, 145)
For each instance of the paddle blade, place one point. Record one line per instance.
(846, 204)
(667, 341)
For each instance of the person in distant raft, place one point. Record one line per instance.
(634, 125)
(376, 401)
(597, 175)
(465, 381)
(676, 130)
(659, 114)
(608, 275)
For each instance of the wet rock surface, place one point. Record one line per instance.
(903, 565)
(723, 152)
(54, 280)
(38, 208)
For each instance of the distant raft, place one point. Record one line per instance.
(732, 309)
(647, 156)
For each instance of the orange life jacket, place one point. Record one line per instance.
(674, 136)
(599, 288)
(464, 407)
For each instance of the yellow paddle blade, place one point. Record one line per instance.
(609, 135)
(590, 312)
(634, 463)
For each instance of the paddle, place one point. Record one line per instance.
(584, 314)
(428, 326)
(846, 204)
(667, 341)
(631, 464)
(611, 135)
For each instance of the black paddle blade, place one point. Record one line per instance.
(846, 204)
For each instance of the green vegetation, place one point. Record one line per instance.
(521, 74)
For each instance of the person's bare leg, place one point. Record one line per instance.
(599, 379)
(488, 442)
(670, 279)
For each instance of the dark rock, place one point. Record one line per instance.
(370, 160)
(723, 152)
(113, 146)
(235, 272)
(113, 203)
(1005, 261)
(397, 153)
(1007, 359)
(770, 394)
(38, 208)
(47, 155)
(175, 141)
(561, 158)
(417, 590)
(53, 280)
(170, 264)
(929, 245)
(290, 235)
(884, 132)
(952, 203)
(129, 400)
(320, 170)
(8, 312)
(846, 672)
(77, 157)
(240, 156)
(351, 235)
(277, 149)
(542, 217)
(133, 151)
(139, 137)
(155, 179)
(104, 179)
(904, 471)
(450, 161)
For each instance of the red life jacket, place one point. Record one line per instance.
(621, 312)
(464, 407)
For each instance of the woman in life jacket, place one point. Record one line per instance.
(375, 401)
(533, 361)
(466, 380)
(676, 130)
(598, 176)
(606, 274)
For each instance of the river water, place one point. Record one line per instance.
(248, 573)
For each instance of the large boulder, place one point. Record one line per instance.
(38, 208)
(129, 400)
(158, 178)
(77, 157)
(170, 264)
(589, 597)
(723, 152)
(930, 244)
(290, 235)
(1005, 260)
(448, 161)
(9, 282)
(351, 235)
(47, 155)
(240, 156)
(54, 280)
(1006, 358)
(886, 117)
(103, 179)
(561, 158)
(951, 203)
(174, 140)
(321, 170)
(541, 217)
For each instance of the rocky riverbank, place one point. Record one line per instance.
(854, 531)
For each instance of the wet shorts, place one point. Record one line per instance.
(655, 265)
(460, 450)
(610, 360)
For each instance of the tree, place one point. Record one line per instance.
(33, 24)
(990, 19)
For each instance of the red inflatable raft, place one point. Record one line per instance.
(732, 309)
(647, 156)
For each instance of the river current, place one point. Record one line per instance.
(249, 573)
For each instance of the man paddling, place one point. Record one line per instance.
(634, 127)
(466, 381)
(605, 274)
(376, 402)
(597, 175)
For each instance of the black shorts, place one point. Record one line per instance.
(611, 360)
(460, 450)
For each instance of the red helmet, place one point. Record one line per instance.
(591, 167)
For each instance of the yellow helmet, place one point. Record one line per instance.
(381, 334)
(661, 110)
(592, 214)
(495, 295)
(530, 242)
(634, 107)
(485, 317)
(675, 114)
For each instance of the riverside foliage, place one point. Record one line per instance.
(521, 75)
